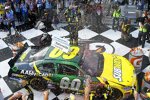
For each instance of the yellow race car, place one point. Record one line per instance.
(51, 66)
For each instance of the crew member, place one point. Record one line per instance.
(99, 15)
(72, 15)
(125, 30)
(143, 87)
(142, 34)
(40, 7)
(116, 16)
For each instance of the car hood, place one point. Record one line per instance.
(118, 69)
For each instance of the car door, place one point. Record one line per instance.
(69, 77)
(46, 69)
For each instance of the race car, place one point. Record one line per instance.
(52, 67)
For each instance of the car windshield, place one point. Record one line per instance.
(32, 54)
(93, 63)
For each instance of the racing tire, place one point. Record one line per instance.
(116, 94)
(38, 84)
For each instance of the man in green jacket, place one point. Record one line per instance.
(116, 15)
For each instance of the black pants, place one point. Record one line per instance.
(19, 17)
(115, 24)
(142, 38)
(148, 5)
(8, 27)
(1, 25)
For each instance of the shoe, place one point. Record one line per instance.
(148, 41)
(17, 34)
(8, 34)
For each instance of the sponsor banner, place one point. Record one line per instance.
(61, 43)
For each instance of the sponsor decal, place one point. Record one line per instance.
(14, 69)
(102, 47)
(117, 68)
(70, 55)
(32, 73)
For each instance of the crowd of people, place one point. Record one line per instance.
(125, 26)
(28, 12)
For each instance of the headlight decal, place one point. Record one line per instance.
(127, 88)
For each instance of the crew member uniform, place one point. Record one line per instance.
(116, 16)
(125, 31)
(142, 35)
(72, 17)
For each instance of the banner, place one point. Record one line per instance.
(61, 43)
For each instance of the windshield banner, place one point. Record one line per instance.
(61, 43)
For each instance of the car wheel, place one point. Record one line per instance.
(116, 94)
(38, 84)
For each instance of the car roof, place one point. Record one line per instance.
(75, 54)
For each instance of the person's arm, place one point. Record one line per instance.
(36, 1)
(15, 96)
(87, 89)
(45, 94)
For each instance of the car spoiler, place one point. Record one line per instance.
(13, 60)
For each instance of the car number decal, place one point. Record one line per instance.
(117, 68)
(74, 85)
(57, 53)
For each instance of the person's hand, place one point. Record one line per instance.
(24, 82)
(17, 94)
(46, 92)
(24, 96)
